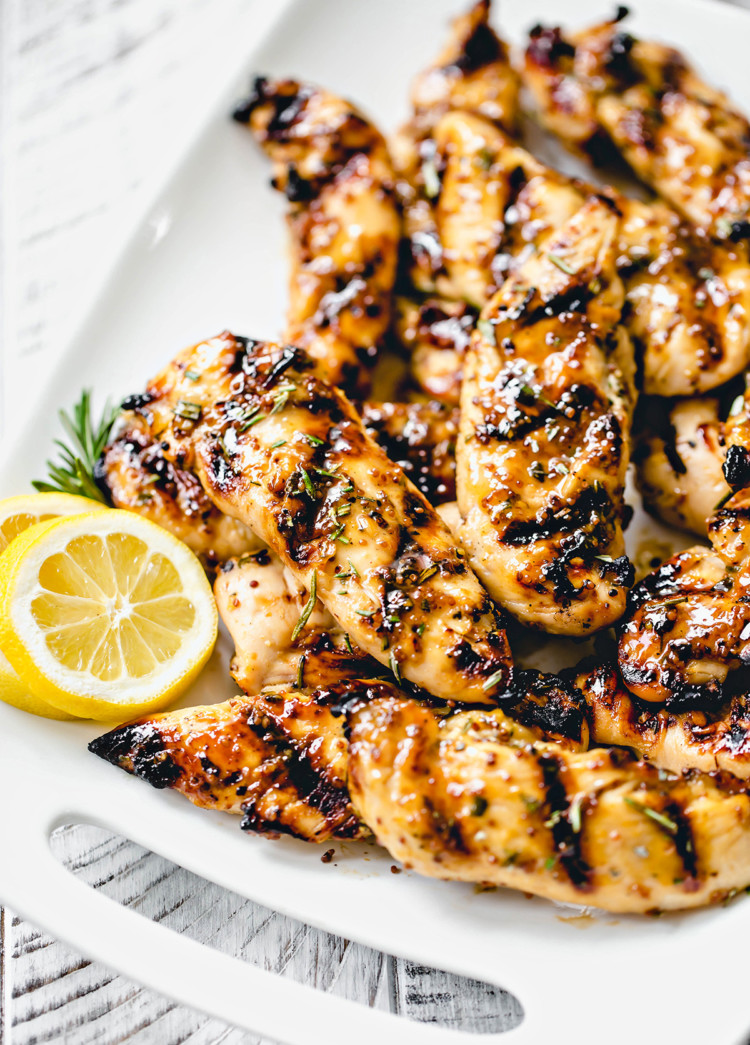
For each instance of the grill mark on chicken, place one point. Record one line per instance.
(687, 631)
(333, 166)
(565, 833)
(541, 454)
(277, 759)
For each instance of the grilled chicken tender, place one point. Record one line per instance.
(277, 759)
(148, 465)
(543, 446)
(477, 797)
(602, 88)
(333, 166)
(473, 73)
(421, 439)
(289, 456)
(707, 740)
(679, 460)
(262, 606)
(137, 474)
(436, 333)
(688, 627)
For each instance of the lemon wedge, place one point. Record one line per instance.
(13, 691)
(104, 615)
(18, 513)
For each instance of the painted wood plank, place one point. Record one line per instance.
(56, 993)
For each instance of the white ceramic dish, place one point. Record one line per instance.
(208, 255)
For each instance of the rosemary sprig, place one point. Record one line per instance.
(74, 471)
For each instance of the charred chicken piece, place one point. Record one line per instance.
(543, 448)
(708, 740)
(477, 797)
(679, 457)
(290, 457)
(604, 91)
(334, 168)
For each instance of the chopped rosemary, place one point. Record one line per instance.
(281, 398)
(485, 158)
(394, 666)
(342, 509)
(278, 443)
(313, 440)
(328, 475)
(192, 375)
(561, 264)
(487, 329)
(188, 410)
(309, 607)
(74, 472)
(723, 500)
(495, 677)
(348, 642)
(664, 821)
(308, 483)
(421, 628)
(353, 568)
(300, 671)
(253, 421)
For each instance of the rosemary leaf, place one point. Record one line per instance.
(309, 607)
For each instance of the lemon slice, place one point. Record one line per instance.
(13, 691)
(18, 513)
(104, 615)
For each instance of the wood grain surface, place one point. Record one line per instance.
(95, 100)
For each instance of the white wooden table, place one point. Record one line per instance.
(96, 99)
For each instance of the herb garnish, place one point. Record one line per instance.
(188, 410)
(394, 666)
(493, 680)
(74, 473)
(561, 264)
(487, 329)
(308, 483)
(309, 607)
(664, 821)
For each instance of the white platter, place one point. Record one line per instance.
(209, 255)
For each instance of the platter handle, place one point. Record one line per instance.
(38, 887)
